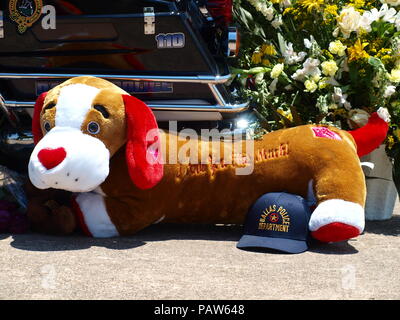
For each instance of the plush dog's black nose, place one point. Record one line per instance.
(51, 158)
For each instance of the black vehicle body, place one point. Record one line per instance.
(170, 54)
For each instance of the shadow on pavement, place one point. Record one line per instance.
(341, 248)
(389, 227)
(159, 232)
(44, 243)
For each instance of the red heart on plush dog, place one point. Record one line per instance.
(51, 158)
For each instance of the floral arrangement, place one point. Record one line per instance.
(321, 61)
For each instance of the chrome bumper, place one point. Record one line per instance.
(221, 105)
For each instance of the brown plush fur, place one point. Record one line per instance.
(215, 194)
(285, 160)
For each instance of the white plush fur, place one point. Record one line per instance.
(85, 167)
(95, 215)
(73, 104)
(337, 211)
(384, 114)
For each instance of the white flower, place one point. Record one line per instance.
(397, 21)
(350, 20)
(393, 3)
(268, 13)
(388, 14)
(385, 13)
(272, 86)
(335, 32)
(310, 69)
(277, 22)
(389, 91)
(340, 98)
(291, 57)
(308, 43)
(263, 7)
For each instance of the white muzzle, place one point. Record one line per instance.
(70, 160)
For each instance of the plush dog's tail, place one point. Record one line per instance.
(371, 136)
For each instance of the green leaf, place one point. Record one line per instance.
(376, 63)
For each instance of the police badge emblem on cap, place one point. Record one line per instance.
(25, 13)
(277, 221)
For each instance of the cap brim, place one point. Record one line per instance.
(285, 245)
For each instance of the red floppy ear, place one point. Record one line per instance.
(36, 129)
(143, 147)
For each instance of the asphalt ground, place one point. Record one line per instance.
(196, 262)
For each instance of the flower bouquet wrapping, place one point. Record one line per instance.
(321, 61)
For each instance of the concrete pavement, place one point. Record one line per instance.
(198, 262)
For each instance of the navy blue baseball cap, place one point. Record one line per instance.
(279, 221)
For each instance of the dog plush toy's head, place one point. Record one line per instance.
(80, 124)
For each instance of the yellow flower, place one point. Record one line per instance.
(310, 5)
(315, 77)
(322, 84)
(256, 57)
(329, 68)
(277, 70)
(358, 3)
(289, 10)
(266, 62)
(268, 49)
(331, 9)
(310, 85)
(390, 142)
(357, 51)
(394, 75)
(385, 55)
(337, 47)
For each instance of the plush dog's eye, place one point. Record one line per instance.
(47, 126)
(49, 106)
(93, 127)
(102, 110)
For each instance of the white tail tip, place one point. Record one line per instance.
(383, 113)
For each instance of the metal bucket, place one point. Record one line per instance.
(381, 190)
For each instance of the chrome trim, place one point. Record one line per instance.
(194, 79)
(8, 113)
(217, 108)
(217, 95)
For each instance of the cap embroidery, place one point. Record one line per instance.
(274, 219)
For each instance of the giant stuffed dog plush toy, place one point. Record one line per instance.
(92, 139)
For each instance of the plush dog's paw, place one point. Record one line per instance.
(336, 220)
(51, 218)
